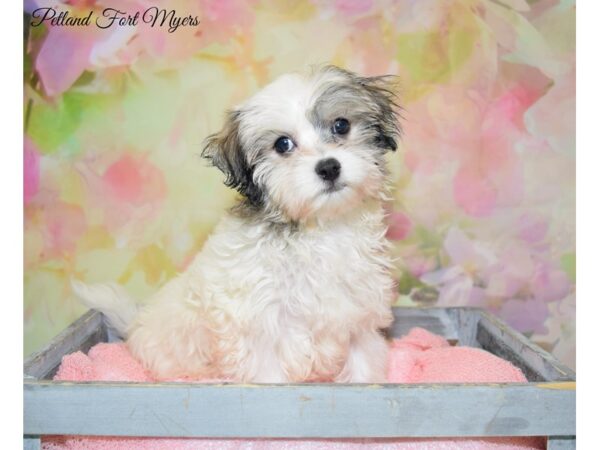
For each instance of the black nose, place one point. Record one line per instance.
(328, 169)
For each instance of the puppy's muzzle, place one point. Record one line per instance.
(328, 169)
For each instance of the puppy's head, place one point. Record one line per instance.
(309, 146)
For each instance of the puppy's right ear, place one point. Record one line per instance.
(224, 150)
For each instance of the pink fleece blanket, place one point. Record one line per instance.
(419, 357)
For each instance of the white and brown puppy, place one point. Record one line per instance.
(294, 285)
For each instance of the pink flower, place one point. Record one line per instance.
(68, 51)
(549, 283)
(474, 191)
(552, 118)
(511, 281)
(64, 56)
(353, 7)
(31, 170)
(134, 180)
(465, 252)
(419, 265)
(65, 224)
(479, 133)
(532, 228)
(511, 273)
(457, 282)
(399, 226)
(526, 316)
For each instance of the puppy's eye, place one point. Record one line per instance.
(283, 145)
(341, 126)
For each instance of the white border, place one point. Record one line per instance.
(11, 234)
(588, 225)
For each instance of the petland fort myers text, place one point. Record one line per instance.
(110, 17)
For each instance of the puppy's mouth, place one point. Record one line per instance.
(334, 187)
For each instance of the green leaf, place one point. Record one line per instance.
(54, 125)
(568, 262)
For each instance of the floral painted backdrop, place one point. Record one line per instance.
(484, 208)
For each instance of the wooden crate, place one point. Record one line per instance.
(545, 406)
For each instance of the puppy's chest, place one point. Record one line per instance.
(323, 263)
(251, 270)
(318, 272)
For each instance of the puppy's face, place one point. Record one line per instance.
(311, 146)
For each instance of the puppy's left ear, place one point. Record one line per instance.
(224, 150)
(381, 92)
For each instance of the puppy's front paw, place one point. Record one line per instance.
(367, 360)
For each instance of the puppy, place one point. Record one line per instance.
(294, 285)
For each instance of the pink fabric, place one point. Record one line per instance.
(419, 357)
(422, 357)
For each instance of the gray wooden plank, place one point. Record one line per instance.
(561, 443)
(31, 442)
(112, 335)
(466, 321)
(80, 335)
(300, 410)
(495, 336)
(435, 320)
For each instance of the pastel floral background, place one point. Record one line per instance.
(484, 206)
